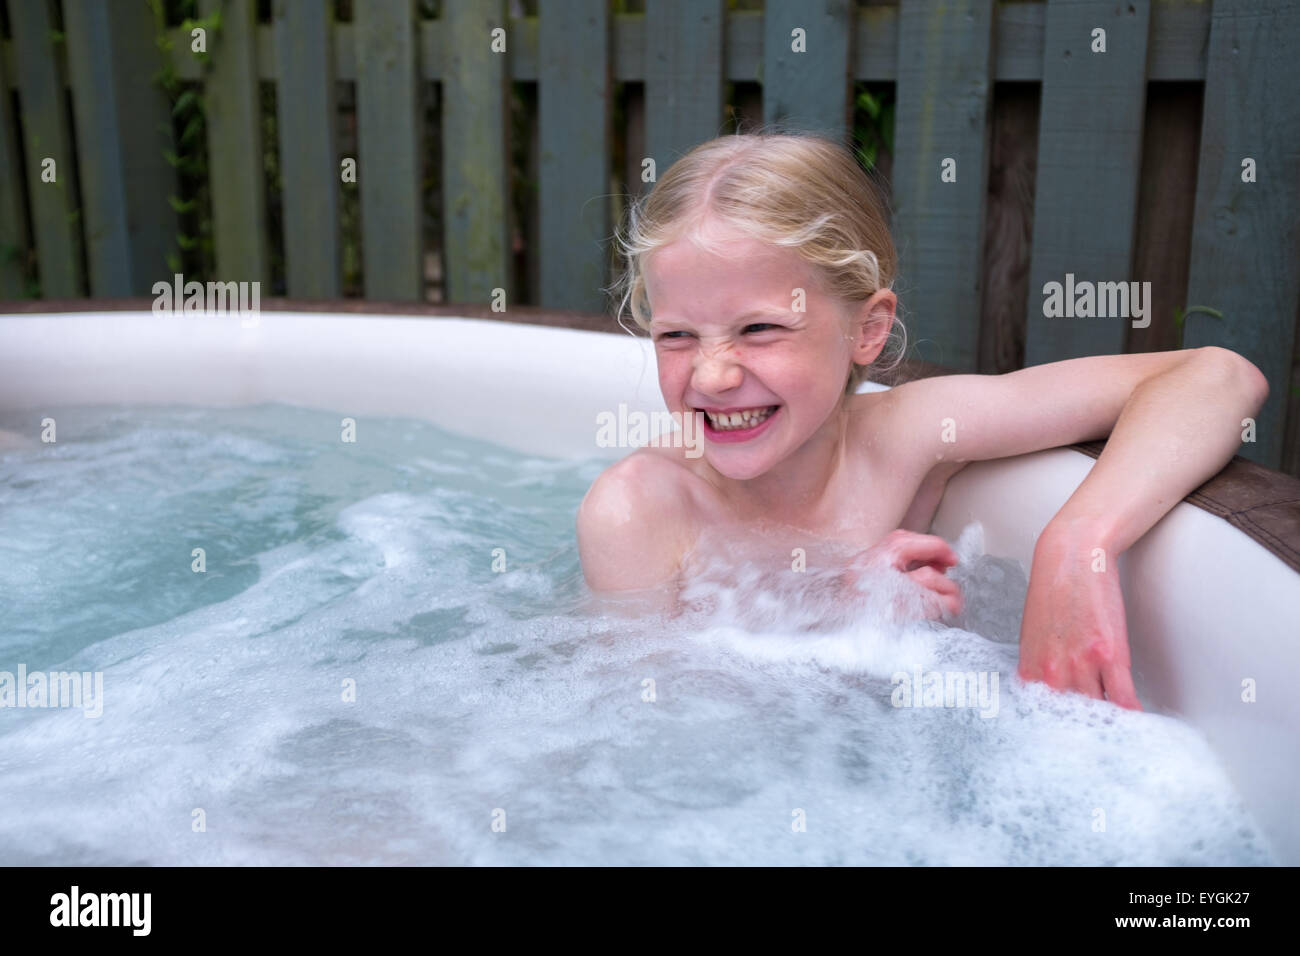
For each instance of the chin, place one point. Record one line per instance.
(737, 468)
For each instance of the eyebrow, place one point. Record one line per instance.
(762, 312)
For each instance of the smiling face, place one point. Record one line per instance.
(730, 343)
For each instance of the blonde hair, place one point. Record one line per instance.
(795, 190)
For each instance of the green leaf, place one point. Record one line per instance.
(192, 130)
(869, 103)
(181, 206)
(185, 242)
(184, 102)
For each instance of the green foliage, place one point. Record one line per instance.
(873, 125)
(188, 132)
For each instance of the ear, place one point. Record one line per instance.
(869, 325)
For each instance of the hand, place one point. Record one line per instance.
(922, 557)
(1073, 635)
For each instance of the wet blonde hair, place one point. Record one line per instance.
(795, 190)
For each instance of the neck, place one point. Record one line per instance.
(792, 492)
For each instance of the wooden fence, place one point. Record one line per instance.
(1173, 154)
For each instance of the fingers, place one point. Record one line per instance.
(1087, 681)
(1113, 682)
(945, 590)
(1118, 682)
(910, 550)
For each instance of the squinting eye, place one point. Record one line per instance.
(669, 335)
(762, 326)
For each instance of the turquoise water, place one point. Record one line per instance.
(349, 680)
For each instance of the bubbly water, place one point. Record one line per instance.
(352, 679)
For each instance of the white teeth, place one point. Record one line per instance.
(748, 418)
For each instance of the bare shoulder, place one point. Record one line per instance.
(636, 522)
(897, 430)
(882, 423)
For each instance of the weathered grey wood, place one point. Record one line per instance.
(875, 47)
(46, 134)
(1018, 41)
(941, 130)
(1180, 33)
(13, 227)
(1089, 153)
(574, 117)
(389, 141)
(235, 170)
(123, 123)
(308, 165)
(476, 157)
(1246, 236)
(683, 77)
(810, 89)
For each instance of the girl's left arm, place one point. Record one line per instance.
(1174, 419)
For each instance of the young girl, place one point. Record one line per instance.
(761, 265)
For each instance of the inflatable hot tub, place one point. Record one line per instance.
(1214, 613)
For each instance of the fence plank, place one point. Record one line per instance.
(574, 113)
(475, 122)
(683, 77)
(941, 148)
(808, 89)
(1179, 39)
(389, 142)
(46, 134)
(13, 226)
(1246, 237)
(1089, 153)
(235, 173)
(123, 129)
(309, 167)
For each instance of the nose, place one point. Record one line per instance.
(715, 370)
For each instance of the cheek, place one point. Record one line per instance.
(674, 370)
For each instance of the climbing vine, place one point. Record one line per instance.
(188, 133)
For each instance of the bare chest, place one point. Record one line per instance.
(858, 511)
